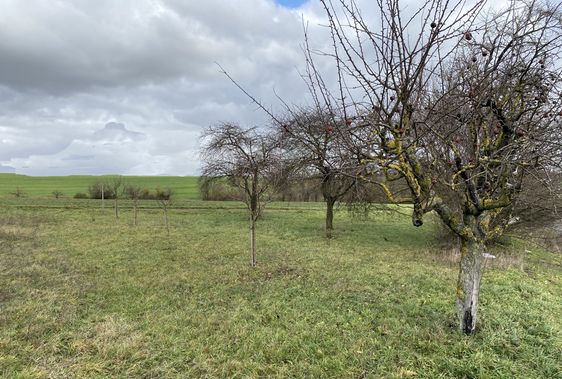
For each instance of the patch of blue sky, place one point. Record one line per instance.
(291, 3)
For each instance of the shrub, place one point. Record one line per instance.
(95, 190)
(217, 190)
(158, 194)
(81, 196)
(145, 194)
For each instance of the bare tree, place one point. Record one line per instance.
(249, 160)
(464, 114)
(164, 199)
(58, 193)
(318, 142)
(134, 192)
(19, 192)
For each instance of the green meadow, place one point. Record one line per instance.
(86, 295)
(184, 187)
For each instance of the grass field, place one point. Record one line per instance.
(185, 187)
(83, 295)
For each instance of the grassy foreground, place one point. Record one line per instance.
(83, 295)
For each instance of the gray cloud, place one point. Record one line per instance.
(116, 132)
(73, 157)
(71, 66)
(113, 149)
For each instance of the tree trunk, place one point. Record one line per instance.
(102, 199)
(116, 212)
(135, 211)
(329, 216)
(468, 286)
(166, 222)
(253, 239)
(330, 200)
(254, 215)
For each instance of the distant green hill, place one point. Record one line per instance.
(185, 187)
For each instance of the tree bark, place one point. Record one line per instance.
(254, 216)
(329, 216)
(166, 221)
(116, 212)
(253, 240)
(468, 285)
(135, 211)
(102, 199)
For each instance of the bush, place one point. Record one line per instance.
(95, 191)
(166, 194)
(81, 196)
(158, 194)
(145, 194)
(217, 190)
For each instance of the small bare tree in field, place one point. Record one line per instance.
(164, 199)
(58, 193)
(19, 192)
(465, 112)
(134, 192)
(249, 160)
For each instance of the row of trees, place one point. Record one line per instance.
(453, 110)
(260, 164)
(135, 191)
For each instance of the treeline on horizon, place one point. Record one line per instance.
(184, 187)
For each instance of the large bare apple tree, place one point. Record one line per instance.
(462, 106)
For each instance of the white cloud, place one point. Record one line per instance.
(111, 150)
(71, 66)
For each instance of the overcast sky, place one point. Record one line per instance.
(144, 68)
(125, 87)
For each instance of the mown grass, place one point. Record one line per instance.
(103, 299)
(184, 187)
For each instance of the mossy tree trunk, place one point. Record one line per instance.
(116, 210)
(468, 285)
(474, 231)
